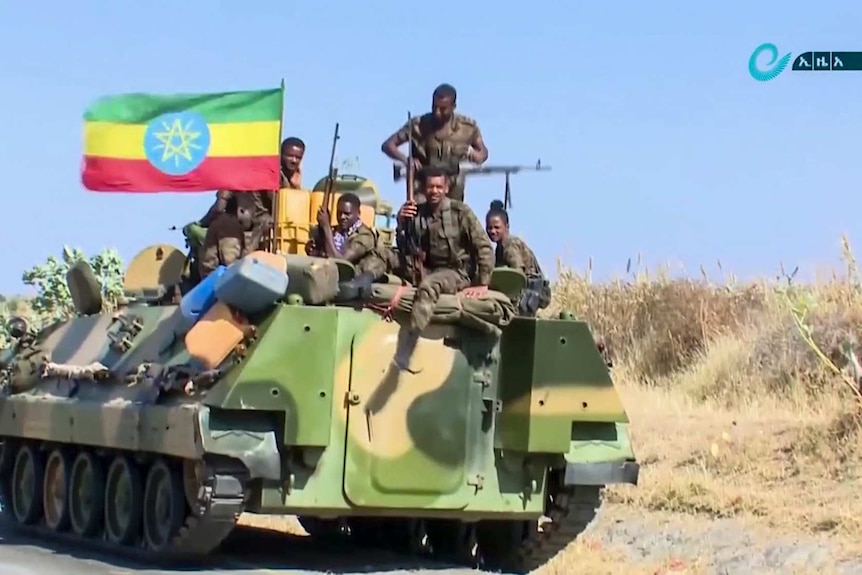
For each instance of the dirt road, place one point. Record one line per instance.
(622, 541)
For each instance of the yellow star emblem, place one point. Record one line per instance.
(177, 141)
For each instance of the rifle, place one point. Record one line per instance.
(469, 170)
(413, 245)
(329, 189)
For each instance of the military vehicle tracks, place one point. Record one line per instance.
(156, 509)
(138, 505)
(510, 546)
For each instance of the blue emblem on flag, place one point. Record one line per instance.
(177, 143)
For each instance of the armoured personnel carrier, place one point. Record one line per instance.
(154, 425)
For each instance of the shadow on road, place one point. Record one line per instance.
(246, 549)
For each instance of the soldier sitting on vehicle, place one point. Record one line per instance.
(452, 243)
(350, 240)
(259, 203)
(224, 242)
(513, 252)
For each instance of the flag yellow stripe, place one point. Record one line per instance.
(126, 141)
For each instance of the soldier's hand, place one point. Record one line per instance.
(407, 211)
(475, 291)
(323, 219)
(417, 164)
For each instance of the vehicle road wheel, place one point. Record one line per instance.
(124, 501)
(86, 495)
(55, 494)
(164, 505)
(27, 478)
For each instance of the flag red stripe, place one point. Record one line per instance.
(101, 174)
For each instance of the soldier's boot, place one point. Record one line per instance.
(407, 340)
(357, 288)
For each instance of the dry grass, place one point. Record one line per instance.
(740, 399)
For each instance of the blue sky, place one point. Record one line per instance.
(660, 141)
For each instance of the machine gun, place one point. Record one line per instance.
(470, 170)
(319, 237)
(412, 245)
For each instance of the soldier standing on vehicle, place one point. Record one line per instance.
(441, 138)
(514, 252)
(453, 243)
(224, 242)
(292, 152)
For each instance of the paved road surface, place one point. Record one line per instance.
(250, 552)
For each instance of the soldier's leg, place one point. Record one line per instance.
(456, 188)
(208, 261)
(375, 265)
(428, 293)
(230, 250)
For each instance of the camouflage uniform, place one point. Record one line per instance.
(457, 254)
(258, 204)
(515, 253)
(360, 249)
(381, 260)
(357, 247)
(223, 244)
(447, 146)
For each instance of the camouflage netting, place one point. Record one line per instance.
(487, 314)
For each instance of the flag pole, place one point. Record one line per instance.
(275, 244)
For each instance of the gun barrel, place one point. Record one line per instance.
(399, 172)
(503, 169)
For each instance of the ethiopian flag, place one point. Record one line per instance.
(183, 142)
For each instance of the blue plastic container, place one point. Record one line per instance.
(200, 299)
(251, 285)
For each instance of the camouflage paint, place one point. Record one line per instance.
(551, 376)
(316, 413)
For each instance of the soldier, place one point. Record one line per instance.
(292, 152)
(453, 244)
(224, 242)
(440, 137)
(513, 252)
(351, 239)
(260, 202)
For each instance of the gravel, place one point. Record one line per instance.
(719, 546)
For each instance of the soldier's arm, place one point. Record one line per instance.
(390, 146)
(480, 246)
(359, 245)
(264, 225)
(512, 256)
(218, 207)
(480, 150)
(209, 252)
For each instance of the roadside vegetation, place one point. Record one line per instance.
(744, 397)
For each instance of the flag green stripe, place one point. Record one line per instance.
(224, 107)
